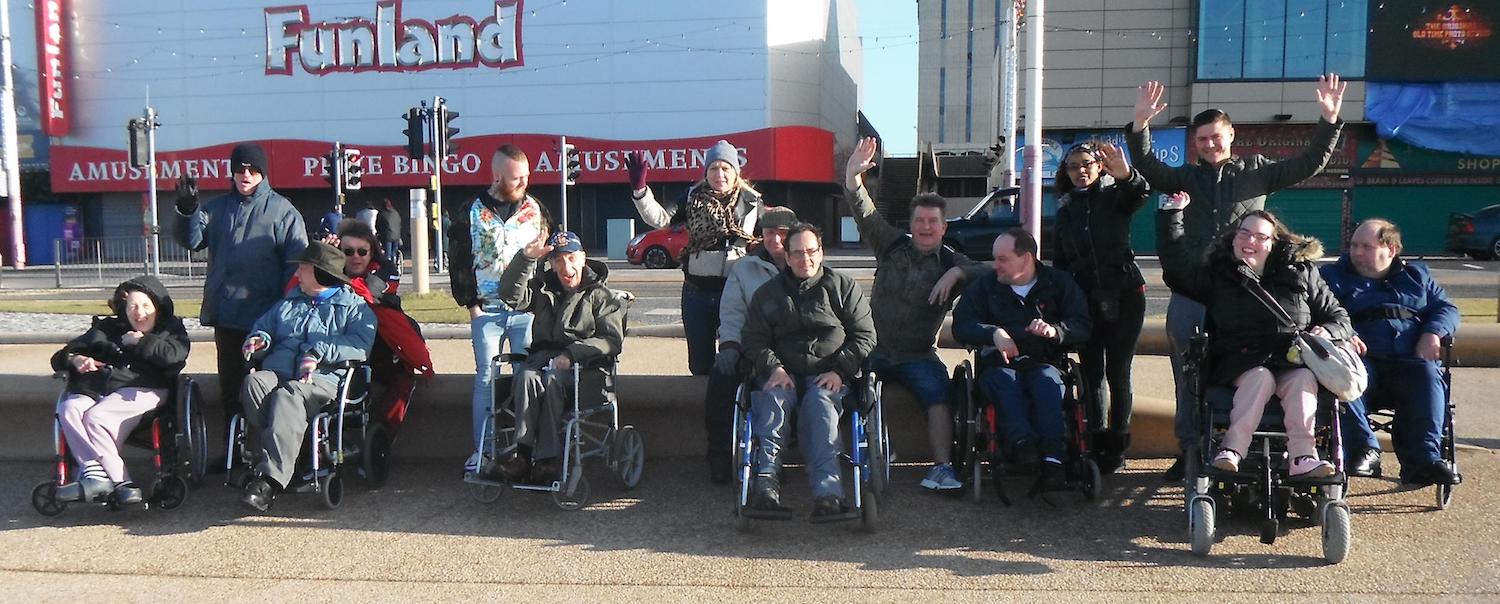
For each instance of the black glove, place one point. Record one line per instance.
(727, 362)
(187, 195)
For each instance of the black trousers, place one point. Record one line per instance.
(228, 344)
(718, 413)
(1108, 355)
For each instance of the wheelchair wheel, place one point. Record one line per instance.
(869, 511)
(332, 489)
(485, 493)
(1201, 525)
(1269, 529)
(375, 457)
(1093, 481)
(1337, 534)
(168, 492)
(1444, 495)
(194, 437)
(880, 449)
(976, 477)
(628, 456)
(574, 493)
(44, 499)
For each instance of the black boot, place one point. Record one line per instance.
(1109, 450)
(767, 495)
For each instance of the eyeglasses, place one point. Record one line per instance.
(356, 251)
(807, 253)
(1252, 235)
(244, 168)
(1080, 165)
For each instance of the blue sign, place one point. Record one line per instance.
(1169, 145)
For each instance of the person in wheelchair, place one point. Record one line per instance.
(1248, 345)
(297, 346)
(806, 335)
(118, 370)
(1400, 314)
(365, 263)
(577, 320)
(1030, 313)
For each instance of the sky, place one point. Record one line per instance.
(889, 32)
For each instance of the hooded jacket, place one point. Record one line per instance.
(1093, 233)
(586, 323)
(988, 305)
(253, 243)
(1223, 193)
(1244, 332)
(153, 362)
(809, 326)
(1392, 312)
(335, 327)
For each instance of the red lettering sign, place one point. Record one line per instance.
(52, 52)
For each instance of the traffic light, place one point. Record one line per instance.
(354, 168)
(572, 167)
(416, 134)
(446, 130)
(332, 170)
(139, 145)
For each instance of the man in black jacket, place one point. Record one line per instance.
(1224, 187)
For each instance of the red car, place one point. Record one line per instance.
(659, 248)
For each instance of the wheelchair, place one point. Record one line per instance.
(175, 434)
(863, 429)
(1262, 486)
(979, 451)
(342, 436)
(1384, 420)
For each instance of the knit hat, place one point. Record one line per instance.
(564, 242)
(248, 154)
(328, 260)
(725, 152)
(779, 217)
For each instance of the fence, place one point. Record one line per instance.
(106, 261)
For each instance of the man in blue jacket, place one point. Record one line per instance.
(252, 234)
(1024, 320)
(299, 342)
(1400, 315)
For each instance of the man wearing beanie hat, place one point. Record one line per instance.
(298, 346)
(916, 281)
(252, 235)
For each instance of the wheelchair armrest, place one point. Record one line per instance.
(349, 364)
(599, 362)
(510, 357)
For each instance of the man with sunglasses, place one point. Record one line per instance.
(1223, 188)
(254, 237)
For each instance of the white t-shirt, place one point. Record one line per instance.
(1023, 290)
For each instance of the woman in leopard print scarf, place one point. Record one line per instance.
(711, 219)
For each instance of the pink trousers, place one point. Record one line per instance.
(1298, 390)
(96, 430)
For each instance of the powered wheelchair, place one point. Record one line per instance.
(1262, 487)
(862, 429)
(175, 434)
(343, 436)
(979, 449)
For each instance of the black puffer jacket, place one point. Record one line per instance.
(1244, 332)
(808, 326)
(153, 362)
(1093, 233)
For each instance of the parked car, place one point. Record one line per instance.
(975, 231)
(1475, 233)
(659, 248)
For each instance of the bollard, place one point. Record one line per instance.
(419, 265)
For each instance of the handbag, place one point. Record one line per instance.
(1335, 364)
(713, 263)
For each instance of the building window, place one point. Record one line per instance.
(1281, 39)
(961, 187)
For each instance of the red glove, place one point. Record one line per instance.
(635, 165)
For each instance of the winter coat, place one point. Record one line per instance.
(747, 211)
(1389, 314)
(906, 322)
(335, 327)
(1224, 193)
(585, 324)
(809, 326)
(745, 277)
(1243, 332)
(988, 305)
(253, 243)
(1093, 234)
(153, 362)
(484, 235)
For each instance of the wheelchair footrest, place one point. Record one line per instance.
(758, 514)
(1335, 478)
(851, 514)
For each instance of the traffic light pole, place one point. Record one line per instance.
(562, 164)
(438, 153)
(337, 170)
(154, 251)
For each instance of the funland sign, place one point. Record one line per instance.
(391, 43)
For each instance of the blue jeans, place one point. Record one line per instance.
(488, 330)
(926, 378)
(1413, 390)
(700, 323)
(817, 431)
(1184, 318)
(1029, 404)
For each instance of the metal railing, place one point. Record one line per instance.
(105, 261)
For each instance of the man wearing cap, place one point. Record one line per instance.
(252, 235)
(298, 345)
(485, 234)
(576, 319)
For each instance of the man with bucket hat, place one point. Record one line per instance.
(297, 346)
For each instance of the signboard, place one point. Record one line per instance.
(52, 36)
(1169, 145)
(1434, 41)
(1281, 142)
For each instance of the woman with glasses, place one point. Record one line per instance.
(1098, 193)
(1249, 347)
(363, 259)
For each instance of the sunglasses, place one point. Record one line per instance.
(356, 251)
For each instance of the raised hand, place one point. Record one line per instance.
(635, 166)
(860, 160)
(186, 192)
(1175, 201)
(1114, 161)
(1148, 103)
(539, 247)
(1331, 96)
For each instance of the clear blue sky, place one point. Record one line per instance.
(889, 32)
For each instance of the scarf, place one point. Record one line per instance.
(711, 219)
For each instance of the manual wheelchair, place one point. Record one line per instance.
(174, 432)
(979, 450)
(1383, 419)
